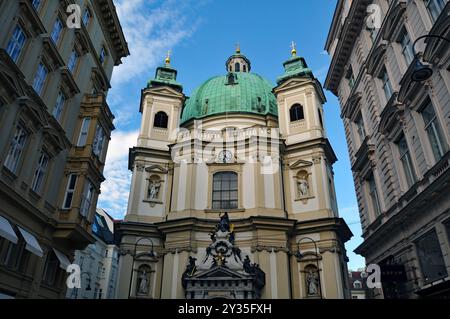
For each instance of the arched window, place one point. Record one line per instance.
(296, 113)
(244, 68)
(237, 67)
(161, 120)
(225, 190)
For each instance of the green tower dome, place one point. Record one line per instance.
(237, 92)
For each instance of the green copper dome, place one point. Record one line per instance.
(236, 92)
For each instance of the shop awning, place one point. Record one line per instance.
(63, 260)
(32, 243)
(6, 231)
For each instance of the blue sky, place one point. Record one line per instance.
(201, 35)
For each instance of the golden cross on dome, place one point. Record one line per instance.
(238, 48)
(294, 50)
(168, 57)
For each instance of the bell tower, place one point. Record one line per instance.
(161, 105)
(309, 158)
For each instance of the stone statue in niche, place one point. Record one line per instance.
(303, 187)
(153, 189)
(312, 283)
(143, 282)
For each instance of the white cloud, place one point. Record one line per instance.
(150, 32)
(116, 188)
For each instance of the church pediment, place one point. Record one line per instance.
(219, 273)
(165, 90)
(156, 169)
(300, 164)
(299, 82)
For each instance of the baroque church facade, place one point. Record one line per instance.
(232, 193)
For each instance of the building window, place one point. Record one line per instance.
(82, 139)
(71, 183)
(86, 199)
(244, 68)
(406, 161)
(407, 47)
(57, 29)
(36, 4)
(51, 269)
(103, 54)
(387, 87)
(39, 174)
(430, 257)
(374, 198)
(16, 43)
(433, 130)
(237, 67)
(225, 190)
(434, 8)
(16, 148)
(72, 61)
(350, 78)
(39, 79)
(14, 256)
(99, 141)
(161, 120)
(359, 122)
(59, 106)
(86, 17)
(296, 113)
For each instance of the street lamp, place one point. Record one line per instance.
(299, 255)
(422, 72)
(150, 254)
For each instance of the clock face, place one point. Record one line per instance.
(225, 157)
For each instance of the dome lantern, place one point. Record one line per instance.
(238, 62)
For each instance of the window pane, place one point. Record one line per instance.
(16, 148)
(57, 111)
(39, 78)
(225, 190)
(57, 28)
(16, 43)
(434, 132)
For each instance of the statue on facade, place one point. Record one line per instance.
(143, 283)
(190, 270)
(224, 224)
(303, 187)
(154, 189)
(312, 282)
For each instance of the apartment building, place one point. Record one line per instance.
(394, 91)
(98, 262)
(55, 126)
